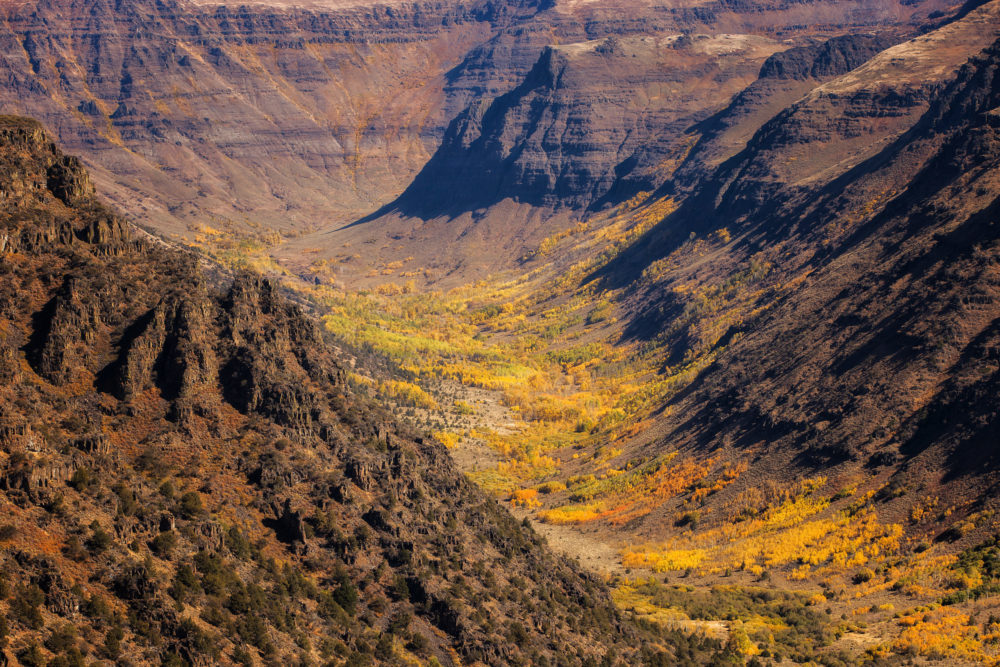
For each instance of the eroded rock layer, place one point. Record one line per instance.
(199, 118)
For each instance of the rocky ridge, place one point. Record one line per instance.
(877, 312)
(189, 479)
(596, 120)
(590, 123)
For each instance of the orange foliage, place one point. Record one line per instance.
(525, 498)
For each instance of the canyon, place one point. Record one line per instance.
(703, 292)
(188, 477)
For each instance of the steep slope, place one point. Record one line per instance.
(589, 117)
(799, 397)
(783, 79)
(500, 64)
(816, 140)
(266, 118)
(856, 305)
(188, 478)
(779, 388)
(591, 122)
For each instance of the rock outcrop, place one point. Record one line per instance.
(784, 78)
(591, 124)
(180, 451)
(874, 339)
(569, 118)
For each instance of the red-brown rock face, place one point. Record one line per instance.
(267, 116)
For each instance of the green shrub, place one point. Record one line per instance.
(191, 506)
(99, 540)
(61, 639)
(74, 549)
(345, 594)
(127, 504)
(81, 480)
(516, 633)
(113, 642)
(95, 607)
(31, 656)
(24, 607)
(164, 544)
(185, 582)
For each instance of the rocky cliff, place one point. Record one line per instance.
(199, 118)
(783, 79)
(605, 109)
(592, 122)
(188, 479)
(832, 131)
(260, 117)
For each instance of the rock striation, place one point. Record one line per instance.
(872, 343)
(591, 124)
(203, 117)
(577, 109)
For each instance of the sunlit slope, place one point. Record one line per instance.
(188, 477)
(595, 117)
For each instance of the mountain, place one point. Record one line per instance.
(590, 118)
(267, 120)
(259, 117)
(592, 125)
(848, 312)
(723, 326)
(783, 79)
(593, 122)
(188, 477)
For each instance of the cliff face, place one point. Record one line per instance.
(261, 115)
(784, 78)
(592, 122)
(610, 105)
(597, 120)
(272, 117)
(752, 159)
(188, 479)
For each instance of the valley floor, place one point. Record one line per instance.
(541, 398)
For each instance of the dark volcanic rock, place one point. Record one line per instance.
(293, 117)
(784, 77)
(876, 339)
(831, 58)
